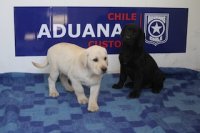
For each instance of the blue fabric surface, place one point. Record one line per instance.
(25, 106)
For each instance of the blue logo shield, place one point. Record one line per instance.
(156, 27)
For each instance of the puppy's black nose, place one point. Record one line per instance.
(103, 69)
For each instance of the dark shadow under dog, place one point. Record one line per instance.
(137, 64)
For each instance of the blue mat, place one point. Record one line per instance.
(25, 106)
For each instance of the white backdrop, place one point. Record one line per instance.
(10, 63)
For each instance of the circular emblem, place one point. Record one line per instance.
(156, 28)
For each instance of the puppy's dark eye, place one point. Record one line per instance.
(105, 58)
(95, 60)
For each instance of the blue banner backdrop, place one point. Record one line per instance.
(38, 28)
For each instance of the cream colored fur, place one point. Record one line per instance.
(80, 66)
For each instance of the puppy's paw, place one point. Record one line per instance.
(117, 86)
(53, 93)
(134, 94)
(82, 100)
(93, 107)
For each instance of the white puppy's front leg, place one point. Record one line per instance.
(79, 91)
(94, 92)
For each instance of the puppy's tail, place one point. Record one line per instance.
(40, 65)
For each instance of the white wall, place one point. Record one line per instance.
(10, 63)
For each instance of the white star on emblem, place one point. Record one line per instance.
(156, 28)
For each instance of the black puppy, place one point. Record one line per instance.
(137, 64)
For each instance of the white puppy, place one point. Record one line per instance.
(76, 66)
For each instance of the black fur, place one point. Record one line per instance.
(137, 64)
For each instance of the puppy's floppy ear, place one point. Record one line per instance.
(84, 58)
(141, 38)
(123, 30)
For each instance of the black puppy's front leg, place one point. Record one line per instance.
(137, 86)
(122, 78)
